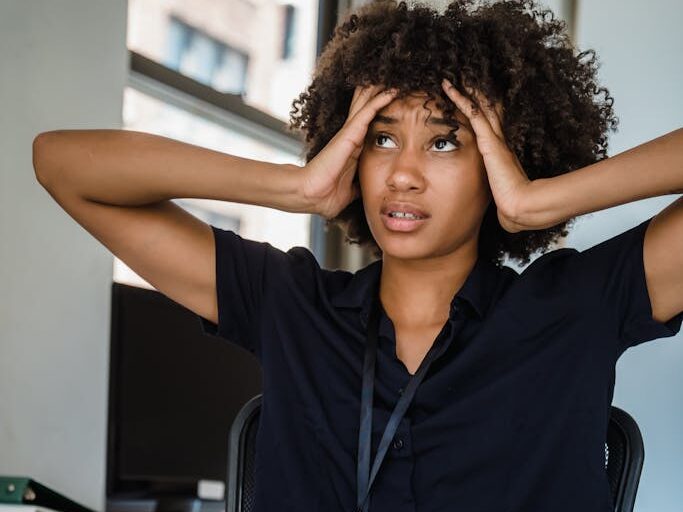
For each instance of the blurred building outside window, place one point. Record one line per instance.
(262, 50)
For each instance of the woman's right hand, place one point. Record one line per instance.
(328, 178)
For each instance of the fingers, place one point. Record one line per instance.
(343, 150)
(357, 124)
(492, 112)
(483, 115)
(361, 95)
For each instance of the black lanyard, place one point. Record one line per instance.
(364, 482)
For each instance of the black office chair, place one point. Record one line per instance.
(239, 496)
(624, 454)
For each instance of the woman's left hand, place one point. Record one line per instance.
(509, 183)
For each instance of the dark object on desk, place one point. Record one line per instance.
(22, 490)
(624, 464)
(173, 393)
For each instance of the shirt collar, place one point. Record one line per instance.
(477, 290)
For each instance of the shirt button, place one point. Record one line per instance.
(398, 443)
(400, 391)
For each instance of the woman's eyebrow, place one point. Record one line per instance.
(379, 118)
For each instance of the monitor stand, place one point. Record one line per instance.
(178, 504)
(165, 504)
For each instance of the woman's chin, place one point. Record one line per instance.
(406, 249)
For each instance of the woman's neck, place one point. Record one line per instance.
(418, 293)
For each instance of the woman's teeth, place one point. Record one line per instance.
(403, 215)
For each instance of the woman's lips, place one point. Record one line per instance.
(403, 225)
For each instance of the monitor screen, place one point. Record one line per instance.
(174, 393)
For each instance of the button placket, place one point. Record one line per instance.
(400, 446)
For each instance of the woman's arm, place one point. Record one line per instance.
(653, 168)
(118, 186)
(129, 168)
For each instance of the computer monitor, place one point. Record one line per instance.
(173, 394)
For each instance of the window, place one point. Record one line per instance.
(205, 58)
(262, 50)
(222, 74)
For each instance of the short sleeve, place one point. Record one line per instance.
(612, 280)
(243, 271)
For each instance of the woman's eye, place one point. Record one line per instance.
(440, 146)
(380, 137)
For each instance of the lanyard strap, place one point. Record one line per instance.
(364, 483)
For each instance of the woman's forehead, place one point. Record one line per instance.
(413, 106)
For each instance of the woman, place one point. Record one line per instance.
(435, 378)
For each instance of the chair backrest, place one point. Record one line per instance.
(624, 454)
(241, 457)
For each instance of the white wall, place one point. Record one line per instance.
(639, 45)
(62, 65)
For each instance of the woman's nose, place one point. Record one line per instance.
(406, 171)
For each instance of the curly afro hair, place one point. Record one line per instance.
(556, 116)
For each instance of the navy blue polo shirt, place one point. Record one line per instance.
(512, 417)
